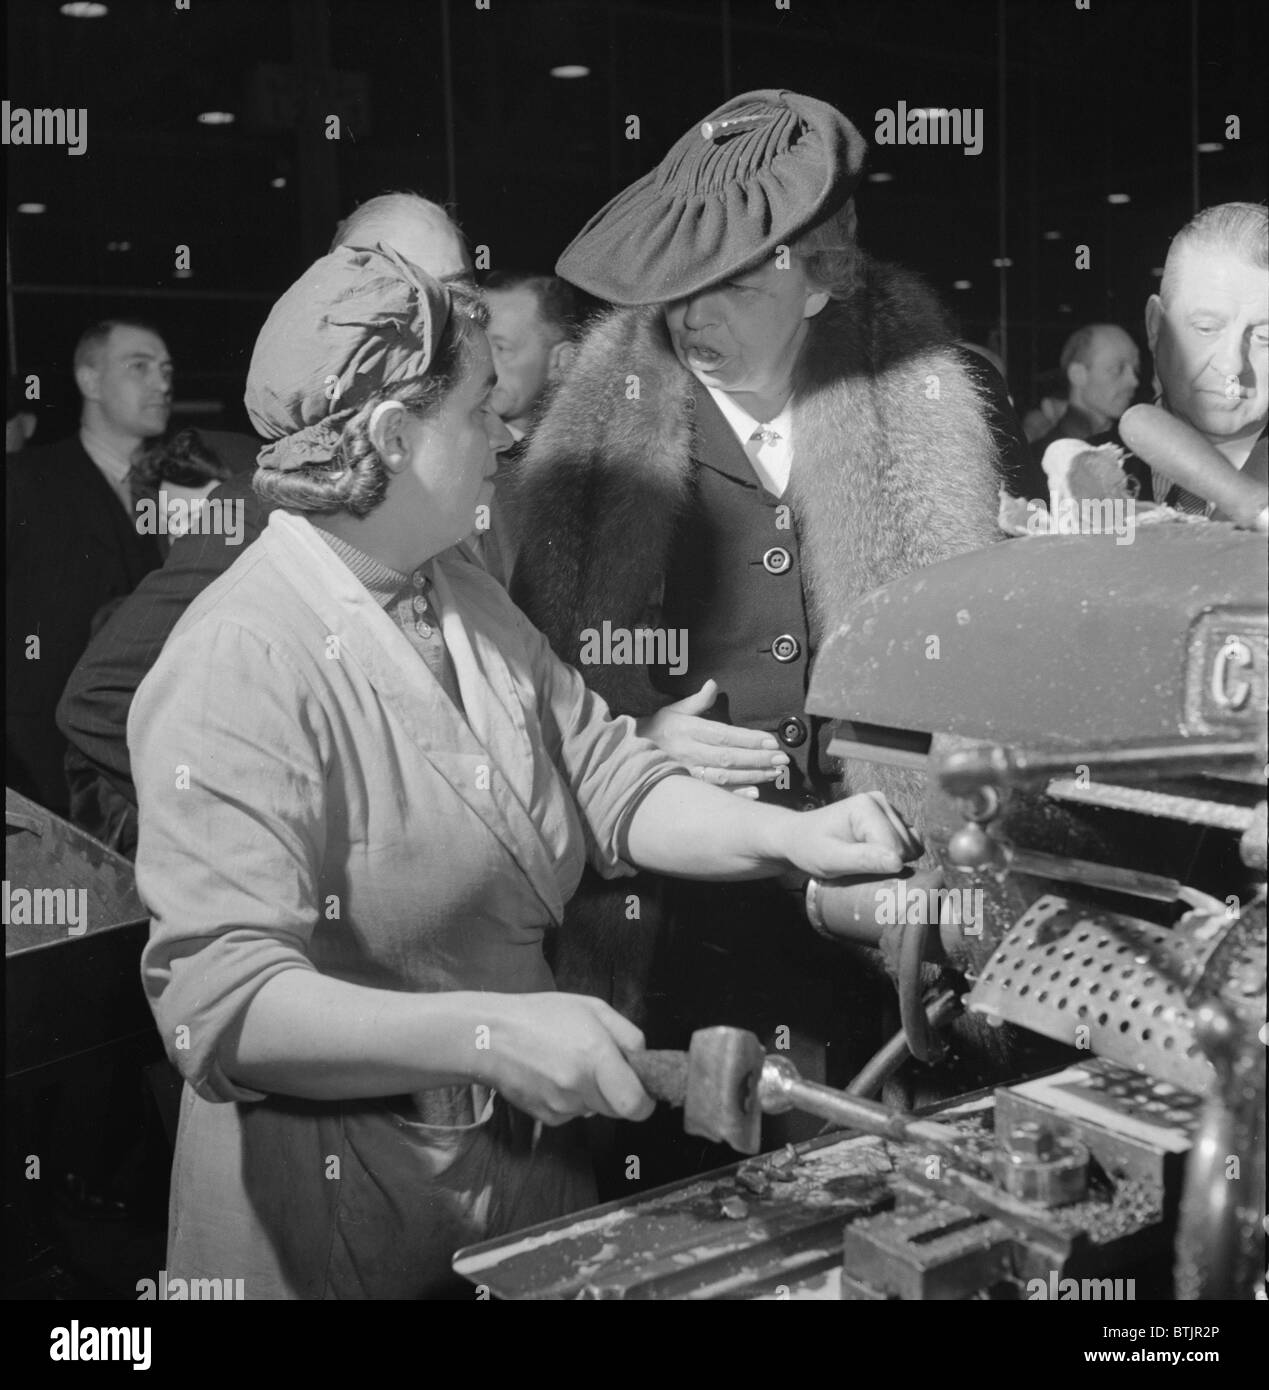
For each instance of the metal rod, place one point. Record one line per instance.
(1194, 108)
(887, 1060)
(447, 86)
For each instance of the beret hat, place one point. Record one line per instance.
(358, 320)
(751, 176)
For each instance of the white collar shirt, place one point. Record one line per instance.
(768, 447)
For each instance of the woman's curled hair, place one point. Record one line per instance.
(355, 479)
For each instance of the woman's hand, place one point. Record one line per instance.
(861, 834)
(716, 753)
(557, 1056)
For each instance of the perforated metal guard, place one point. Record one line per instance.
(1063, 967)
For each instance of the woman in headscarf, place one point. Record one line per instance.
(367, 788)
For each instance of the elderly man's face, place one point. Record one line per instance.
(1211, 344)
(743, 336)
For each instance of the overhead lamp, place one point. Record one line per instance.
(279, 182)
(118, 246)
(881, 177)
(84, 9)
(567, 70)
(1002, 262)
(183, 274)
(1118, 198)
(33, 208)
(962, 284)
(215, 118)
(1210, 147)
(1053, 236)
(1157, 271)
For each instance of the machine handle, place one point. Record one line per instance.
(1177, 449)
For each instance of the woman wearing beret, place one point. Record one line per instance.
(367, 788)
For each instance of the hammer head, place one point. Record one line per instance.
(724, 1066)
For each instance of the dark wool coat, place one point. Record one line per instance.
(895, 467)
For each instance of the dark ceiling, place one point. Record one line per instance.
(1092, 102)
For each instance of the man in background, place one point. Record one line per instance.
(72, 541)
(532, 330)
(1101, 365)
(93, 713)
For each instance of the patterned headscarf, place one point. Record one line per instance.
(355, 322)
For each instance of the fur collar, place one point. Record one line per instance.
(895, 466)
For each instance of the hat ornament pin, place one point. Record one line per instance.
(709, 129)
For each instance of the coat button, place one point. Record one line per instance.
(792, 732)
(777, 560)
(786, 647)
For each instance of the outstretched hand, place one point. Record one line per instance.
(720, 754)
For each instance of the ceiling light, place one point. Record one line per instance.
(279, 182)
(1118, 198)
(32, 207)
(215, 118)
(880, 177)
(84, 9)
(183, 274)
(962, 284)
(570, 70)
(1210, 147)
(1064, 308)
(1002, 262)
(1157, 271)
(929, 113)
(1053, 236)
(118, 246)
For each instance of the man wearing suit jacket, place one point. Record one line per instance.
(72, 543)
(93, 712)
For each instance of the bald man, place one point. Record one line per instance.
(93, 711)
(1208, 330)
(1101, 365)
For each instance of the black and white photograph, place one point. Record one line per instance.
(636, 665)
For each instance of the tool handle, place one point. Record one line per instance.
(663, 1073)
(1177, 449)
